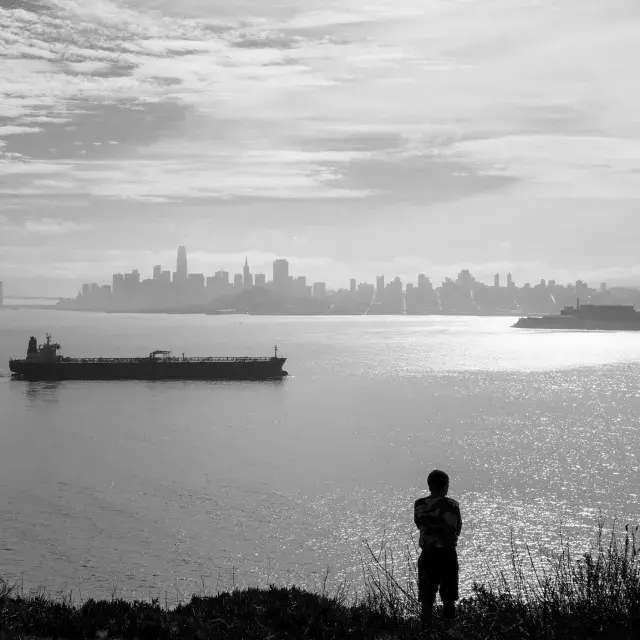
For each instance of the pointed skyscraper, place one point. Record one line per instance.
(247, 279)
(181, 265)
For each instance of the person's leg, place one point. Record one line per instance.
(427, 589)
(449, 587)
(426, 615)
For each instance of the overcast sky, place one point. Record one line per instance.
(354, 138)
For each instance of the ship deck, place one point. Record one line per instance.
(171, 360)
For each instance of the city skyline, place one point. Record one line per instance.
(282, 273)
(344, 139)
(282, 292)
(335, 275)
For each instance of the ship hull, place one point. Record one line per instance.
(149, 370)
(568, 322)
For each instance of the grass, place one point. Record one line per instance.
(550, 596)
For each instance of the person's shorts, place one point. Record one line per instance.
(438, 570)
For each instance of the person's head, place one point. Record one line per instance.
(438, 482)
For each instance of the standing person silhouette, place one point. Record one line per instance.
(440, 523)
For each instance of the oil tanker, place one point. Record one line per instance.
(43, 362)
(590, 317)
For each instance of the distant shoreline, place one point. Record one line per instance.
(501, 314)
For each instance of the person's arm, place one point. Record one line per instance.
(418, 512)
(459, 527)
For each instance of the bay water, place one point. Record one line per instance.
(162, 489)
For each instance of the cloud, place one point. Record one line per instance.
(172, 172)
(51, 226)
(420, 71)
(10, 130)
(560, 166)
(376, 109)
(41, 226)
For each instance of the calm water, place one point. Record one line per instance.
(160, 487)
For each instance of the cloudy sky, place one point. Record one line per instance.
(355, 138)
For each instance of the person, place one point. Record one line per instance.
(440, 522)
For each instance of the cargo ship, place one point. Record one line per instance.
(43, 362)
(590, 317)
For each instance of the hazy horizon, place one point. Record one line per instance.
(397, 138)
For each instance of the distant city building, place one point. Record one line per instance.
(181, 265)
(319, 290)
(281, 274)
(247, 278)
(393, 298)
(424, 283)
(352, 285)
(132, 278)
(465, 279)
(223, 276)
(603, 288)
(260, 280)
(196, 280)
(117, 284)
(496, 281)
(157, 272)
(582, 289)
(299, 287)
(509, 281)
(238, 282)
(366, 292)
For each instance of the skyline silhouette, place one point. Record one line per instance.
(282, 292)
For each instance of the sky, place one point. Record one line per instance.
(355, 139)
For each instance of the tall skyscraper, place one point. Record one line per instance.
(260, 280)
(181, 264)
(157, 272)
(281, 274)
(509, 281)
(247, 279)
(496, 281)
(353, 287)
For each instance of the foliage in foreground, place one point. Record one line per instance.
(253, 613)
(549, 596)
(555, 597)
